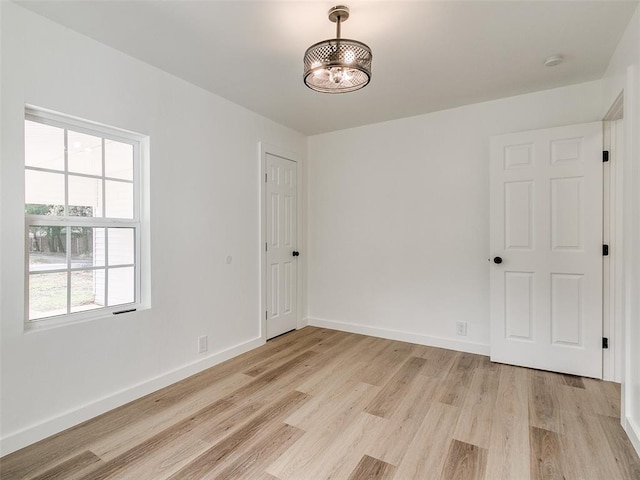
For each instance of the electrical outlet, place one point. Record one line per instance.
(461, 328)
(202, 344)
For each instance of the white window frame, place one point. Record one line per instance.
(138, 142)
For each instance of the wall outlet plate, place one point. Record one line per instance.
(202, 344)
(461, 328)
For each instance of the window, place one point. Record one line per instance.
(82, 210)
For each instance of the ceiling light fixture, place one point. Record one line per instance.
(338, 65)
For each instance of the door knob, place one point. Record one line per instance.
(296, 254)
(497, 260)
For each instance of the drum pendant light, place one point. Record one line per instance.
(338, 65)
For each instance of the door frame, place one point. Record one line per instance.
(264, 149)
(629, 305)
(613, 235)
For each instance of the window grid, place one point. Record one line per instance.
(68, 221)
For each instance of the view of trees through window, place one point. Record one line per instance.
(81, 219)
(48, 251)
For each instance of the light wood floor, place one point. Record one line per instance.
(318, 404)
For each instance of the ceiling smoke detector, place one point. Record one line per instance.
(553, 60)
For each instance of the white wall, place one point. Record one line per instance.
(398, 217)
(204, 181)
(623, 73)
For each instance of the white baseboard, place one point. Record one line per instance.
(15, 441)
(448, 343)
(302, 322)
(633, 432)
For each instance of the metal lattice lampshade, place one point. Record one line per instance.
(338, 65)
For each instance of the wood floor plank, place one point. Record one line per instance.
(603, 400)
(585, 450)
(164, 462)
(200, 425)
(70, 469)
(546, 462)
(255, 461)
(575, 449)
(324, 412)
(458, 378)
(485, 363)
(426, 454)
(284, 356)
(339, 366)
(341, 459)
(573, 381)
(626, 458)
(210, 460)
(439, 362)
(544, 411)
(405, 421)
(288, 379)
(332, 454)
(465, 365)
(181, 451)
(270, 376)
(140, 451)
(609, 389)
(336, 343)
(575, 400)
(454, 390)
(384, 365)
(323, 431)
(264, 476)
(228, 420)
(370, 468)
(254, 357)
(464, 462)
(66, 445)
(509, 450)
(391, 394)
(299, 412)
(141, 429)
(478, 409)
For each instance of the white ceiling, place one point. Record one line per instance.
(427, 55)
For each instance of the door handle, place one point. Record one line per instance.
(497, 260)
(296, 253)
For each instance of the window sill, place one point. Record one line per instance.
(83, 317)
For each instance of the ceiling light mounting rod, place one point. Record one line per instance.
(337, 65)
(338, 14)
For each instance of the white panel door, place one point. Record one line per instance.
(281, 219)
(546, 227)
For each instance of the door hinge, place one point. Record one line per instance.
(266, 249)
(605, 342)
(605, 250)
(605, 155)
(265, 314)
(265, 178)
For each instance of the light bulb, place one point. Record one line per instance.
(336, 75)
(349, 56)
